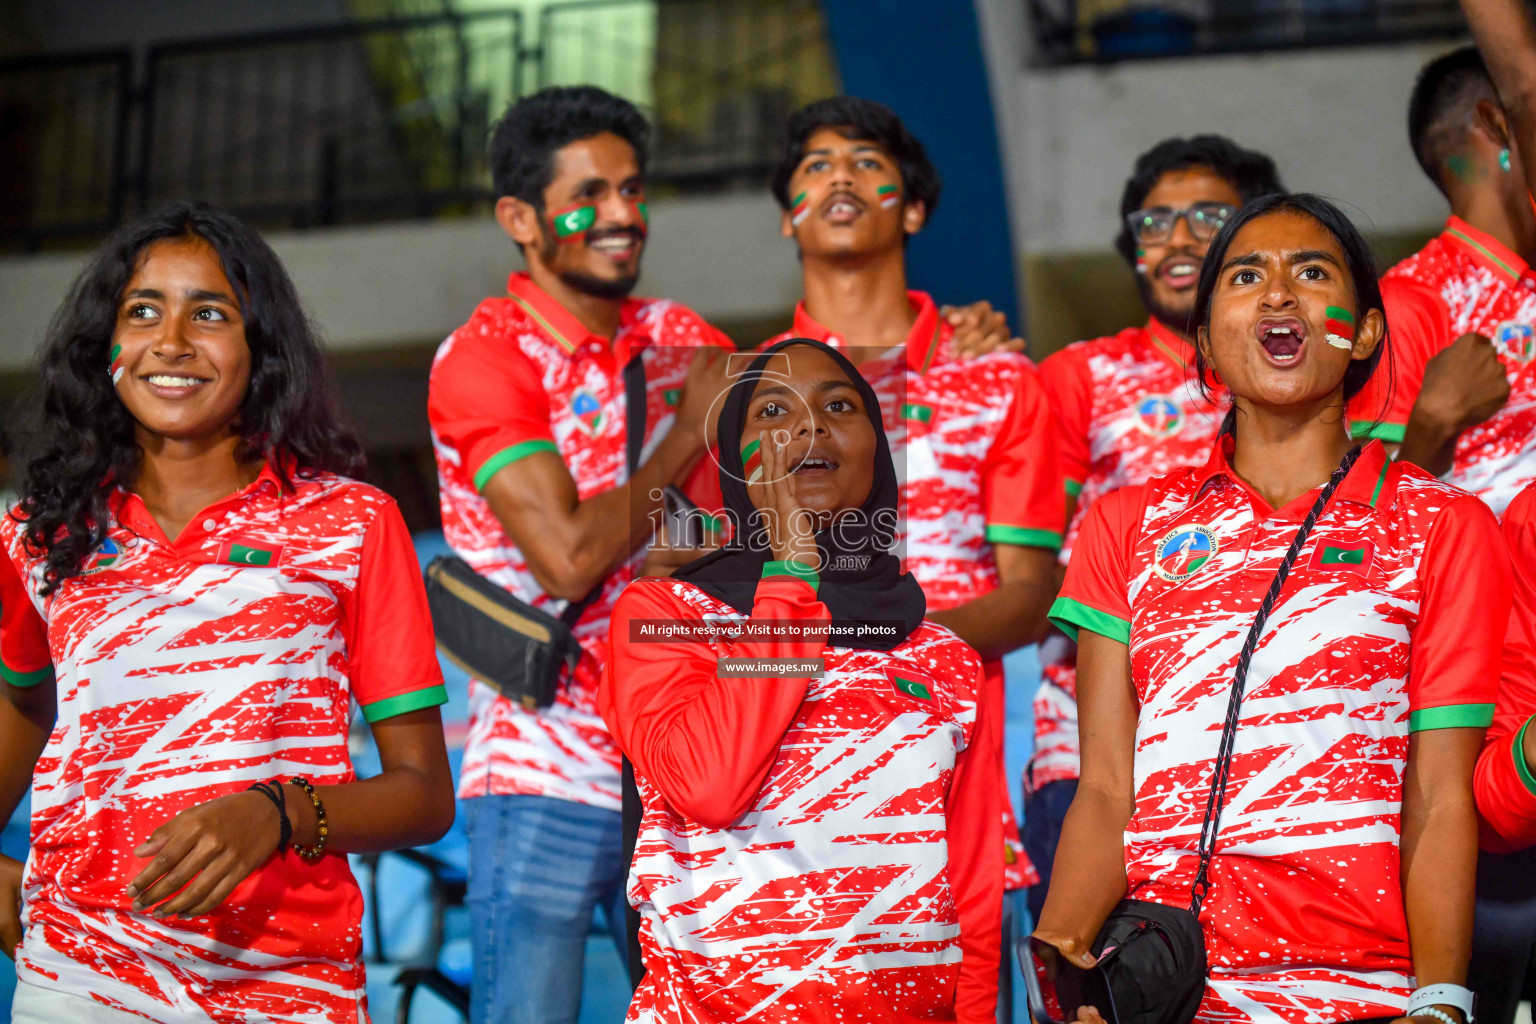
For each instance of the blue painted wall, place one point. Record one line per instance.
(923, 59)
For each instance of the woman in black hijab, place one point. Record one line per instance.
(820, 837)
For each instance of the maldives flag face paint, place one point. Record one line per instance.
(890, 196)
(799, 208)
(752, 461)
(574, 222)
(645, 215)
(116, 367)
(1340, 327)
(1141, 261)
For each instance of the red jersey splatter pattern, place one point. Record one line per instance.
(859, 881)
(1463, 280)
(1127, 410)
(1506, 785)
(972, 443)
(1392, 621)
(186, 672)
(524, 376)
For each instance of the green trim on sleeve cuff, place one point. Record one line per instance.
(997, 534)
(25, 679)
(1521, 767)
(1388, 433)
(1451, 716)
(1074, 487)
(506, 457)
(1070, 616)
(794, 569)
(402, 703)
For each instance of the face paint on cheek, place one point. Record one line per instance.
(752, 461)
(799, 208)
(890, 196)
(1141, 261)
(572, 223)
(1340, 327)
(644, 213)
(116, 367)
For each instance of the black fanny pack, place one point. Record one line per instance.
(522, 652)
(1151, 957)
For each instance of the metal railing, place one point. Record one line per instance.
(334, 124)
(389, 119)
(1069, 31)
(63, 128)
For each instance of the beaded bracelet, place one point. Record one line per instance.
(311, 854)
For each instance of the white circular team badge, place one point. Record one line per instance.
(1515, 340)
(1184, 552)
(1159, 415)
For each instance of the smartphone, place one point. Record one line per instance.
(1056, 989)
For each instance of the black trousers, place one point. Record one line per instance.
(1504, 934)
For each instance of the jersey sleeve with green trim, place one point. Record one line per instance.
(486, 401)
(1463, 613)
(1068, 383)
(1418, 326)
(388, 627)
(1021, 477)
(24, 655)
(1094, 595)
(1505, 784)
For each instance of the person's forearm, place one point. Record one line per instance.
(1429, 442)
(1439, 867)
(1088, 875)
(1010, 617)
(1506, 37)
(24, 729)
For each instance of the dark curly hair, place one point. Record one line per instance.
(1251, 174)
(535, 128)
(1360, 265)
(78, 436)
(856, 118)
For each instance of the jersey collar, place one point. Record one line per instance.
(1484, 249)
(922, 341)
(1369, 482)
(128, 508)
(1170, 346)
(562, 326)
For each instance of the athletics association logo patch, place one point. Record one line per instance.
(588, 412)
(1516, 341)
(104, 556)
(1184, 552)
(1159, 416)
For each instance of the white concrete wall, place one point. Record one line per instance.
(1334, 120)
(408, 283)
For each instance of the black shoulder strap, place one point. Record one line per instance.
(631, 810)
(1223, 770)
(634, 443)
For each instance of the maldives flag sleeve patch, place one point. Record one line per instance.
(910, 684)
(1357, 557)
(249, 552)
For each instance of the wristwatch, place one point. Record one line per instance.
(1424, 1000)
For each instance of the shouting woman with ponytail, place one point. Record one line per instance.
(1334, 882)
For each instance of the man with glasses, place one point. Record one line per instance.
(1128, 409)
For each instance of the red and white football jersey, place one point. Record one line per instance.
(973, 443)
(1392, 621)
(813, 850)
(1463, 280)
(523, 376)
(1506, 786)
(1127, 409)
(188, 671)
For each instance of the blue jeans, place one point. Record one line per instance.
(537, 869)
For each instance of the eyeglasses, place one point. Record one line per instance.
(1155, 224)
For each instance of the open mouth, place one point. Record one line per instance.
(815, 463)
(1282, 339)
(842, 209)
(1180, 272)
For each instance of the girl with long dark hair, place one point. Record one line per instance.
(195, 590)
(820, 837)
(1341, 871)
